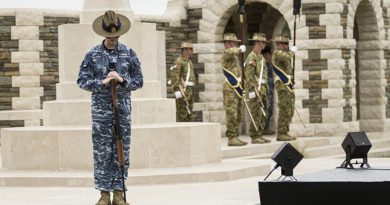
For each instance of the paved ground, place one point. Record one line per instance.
(239, 192)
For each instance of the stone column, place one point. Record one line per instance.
(26, 32)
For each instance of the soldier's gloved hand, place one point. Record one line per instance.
(294, 49)
(243, 48)
(178, 95)
(252, 95)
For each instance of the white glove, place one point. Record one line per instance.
(243, 48)
(252, 95)
(178, 95)
(294, 49)
(169, 82)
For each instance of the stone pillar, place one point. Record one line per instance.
(26, 31)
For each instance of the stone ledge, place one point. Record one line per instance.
(21, 114)
(26, 103)
(327, 44)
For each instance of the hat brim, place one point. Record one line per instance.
(187, 47)
(98, 29)
(278, 41)
(258, 40)
(238, 41)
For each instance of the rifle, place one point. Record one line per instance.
(117, 134)
(296, 12)
(241, 12)
(262, 106)
(181, 89)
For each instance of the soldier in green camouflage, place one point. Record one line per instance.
(182, 80)
(256, 76)
(281, 59)
(232, 90)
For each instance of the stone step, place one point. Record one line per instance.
(336, 149)
(211, 78)
(164, 145)
(70, 91)
(211, 96)
(252, 150)
(211, 87)
(208, 106)
(214, 116)
(227, 170)
(78, 112)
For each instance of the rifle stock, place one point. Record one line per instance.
(117, 134)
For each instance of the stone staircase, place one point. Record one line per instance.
(310, 147)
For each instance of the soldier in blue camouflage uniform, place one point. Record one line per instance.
(281, 60)
(103, 63)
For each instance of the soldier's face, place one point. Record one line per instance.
(230, 44)
(112, 41)
(187, 52)
(259, 46)
(282, 46)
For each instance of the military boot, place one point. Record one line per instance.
(268, 132)
(118, 198)
(260, 140)
(104, 198)
(284, 137)
(234, 141)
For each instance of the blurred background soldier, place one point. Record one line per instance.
(232, 90)
(281, 59)
(182, 80)
(270, 121)
(256, 76)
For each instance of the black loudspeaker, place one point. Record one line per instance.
(287, 157)
(356, 145)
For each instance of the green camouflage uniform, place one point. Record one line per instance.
(178, 75)
(252, 75)
(286, 97)
(231, 101)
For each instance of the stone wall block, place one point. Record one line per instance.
(30, 45)
(25, 81)
(33, 69)
(334, 32)
(332, 115)
(25, 33)
(26, 103)
(330, 20)
(331, 54)
(29, 17)
(25, 57)
(31, 91)
(334, 8)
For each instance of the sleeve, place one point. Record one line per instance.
(134, 79)
(86, 78)
(176, 75)
(250, 68)
(230, 53)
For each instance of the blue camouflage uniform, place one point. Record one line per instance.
(93, 70)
